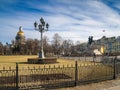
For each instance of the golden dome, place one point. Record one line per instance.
(20, 32)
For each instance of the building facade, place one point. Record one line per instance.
(111, 45)
(105, 45)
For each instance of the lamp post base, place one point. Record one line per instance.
(41, 55)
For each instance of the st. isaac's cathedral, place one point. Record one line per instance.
(20, 37)
(19, 42)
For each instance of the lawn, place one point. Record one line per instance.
(63, 70)
(11, 60)
(15, 58)
(7, 62)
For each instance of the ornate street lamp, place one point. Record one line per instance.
(42, 27)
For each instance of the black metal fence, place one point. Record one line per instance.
(57, 76)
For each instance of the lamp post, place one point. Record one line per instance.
(42, 27)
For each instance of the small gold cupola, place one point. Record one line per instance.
(20, 32)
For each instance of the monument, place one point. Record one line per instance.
(42, 27)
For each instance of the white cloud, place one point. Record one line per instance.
(79, 19)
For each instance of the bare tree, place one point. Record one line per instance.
(1, 48)
(29, 46)
(67, 47)
(77, 46)
(36, 46)
(46, 45)
(57, 44)
(6, 49)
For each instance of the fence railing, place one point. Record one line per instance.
(57, 76)
(90, 58)
(8, 79)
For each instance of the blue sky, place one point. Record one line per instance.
(71, 19)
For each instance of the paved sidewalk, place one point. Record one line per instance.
(113, 88)
(105, 85)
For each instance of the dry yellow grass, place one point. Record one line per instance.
(11, 60)
(8, 62)
(15, 58)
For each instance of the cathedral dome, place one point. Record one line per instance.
(20, 38)
(20, 32)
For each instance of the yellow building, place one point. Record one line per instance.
(102, 49)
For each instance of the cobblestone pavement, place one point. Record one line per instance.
(105, 85)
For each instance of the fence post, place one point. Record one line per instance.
(114, 77)
(76, 73)
(16, 76)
